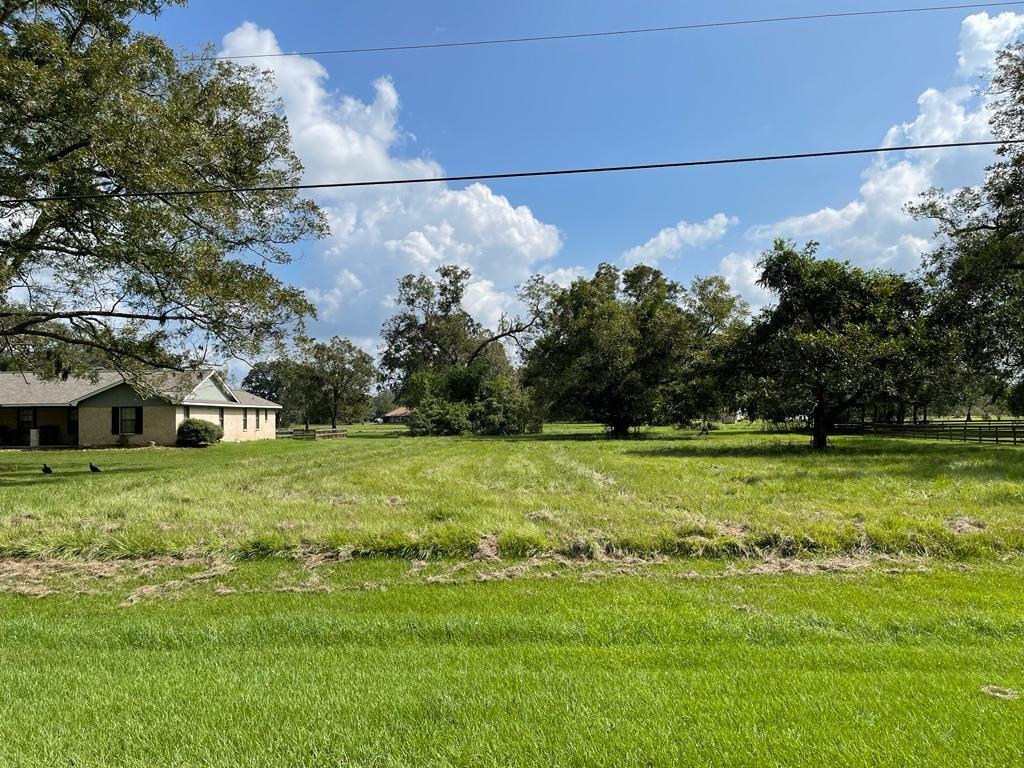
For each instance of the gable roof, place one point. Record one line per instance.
(399, 411)
(177, 387)
(248, 398)
(17, 389)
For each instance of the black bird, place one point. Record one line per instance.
(47, 470)
(94, 468)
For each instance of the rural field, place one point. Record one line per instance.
(561, 599)
(569, 491)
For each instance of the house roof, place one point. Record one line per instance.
(25, 390)
(399, 411)
(17, 389)
(248, 398)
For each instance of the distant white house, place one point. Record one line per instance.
(107, 410)
(400, 415)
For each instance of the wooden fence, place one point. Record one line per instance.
(311, 434)
(997, 431)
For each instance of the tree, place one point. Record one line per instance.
(280, 381)
(266, 379)
(318, 381)
(704, 388)
(99, 122)
(383, 402)
(978, 267)
(1015, 399)
(608, 346)
(340, 375)
(836, 336)
(433, 332)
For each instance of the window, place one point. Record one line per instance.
(72, 421)
(26, 419)
(188, 412)
(128, 424)
(221, 417)
(257, 419)
(245, 419)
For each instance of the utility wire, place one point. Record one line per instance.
(619, 32)
(508, 175)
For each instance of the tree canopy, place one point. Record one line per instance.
(100, 116)
(317, 381)
(978, 269)
(836, 335)
(607, 346)
(442, 362)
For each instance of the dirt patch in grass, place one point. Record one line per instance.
(774, 566)
(487, 549)
(42, 577)
(994, 691)
(165, 588)
(963, 524)
(311, 560)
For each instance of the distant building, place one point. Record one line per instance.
(400, 415)
(110, 411)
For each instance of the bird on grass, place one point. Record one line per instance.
(47, 470)
(94, 468)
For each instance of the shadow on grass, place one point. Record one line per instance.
(24, 477)
(869, 456)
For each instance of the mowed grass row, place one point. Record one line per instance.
(872, 669)
(379, 492)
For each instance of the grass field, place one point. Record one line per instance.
(554, 600)
(378, 492)
(368, 663)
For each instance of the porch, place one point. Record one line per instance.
(42, 427)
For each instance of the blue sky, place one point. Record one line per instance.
(646, 98)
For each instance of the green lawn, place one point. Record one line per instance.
(554, 600)
(739, 492)
(368, 663)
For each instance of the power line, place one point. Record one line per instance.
(508, 175)
(620, 32)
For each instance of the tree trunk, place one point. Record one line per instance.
(819, 428)
(620, 429)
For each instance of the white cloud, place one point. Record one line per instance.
(874, 229)
(565, 276)
(824, 222)
(379, 234)
(982, 36)
(741, 272)
(671, 240)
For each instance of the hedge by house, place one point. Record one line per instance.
(196, 433)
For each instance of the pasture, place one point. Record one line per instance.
(740, 492)
(560, 599)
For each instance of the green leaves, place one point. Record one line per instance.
(169, 281)
(837, 336)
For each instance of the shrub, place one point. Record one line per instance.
(440, 417)
(503, 408)
(196, 433)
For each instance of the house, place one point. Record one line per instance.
(107, 410)
(400, 415)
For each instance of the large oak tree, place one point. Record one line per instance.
(837, 336)
(103, 120)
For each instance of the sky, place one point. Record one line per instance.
(685, 95)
